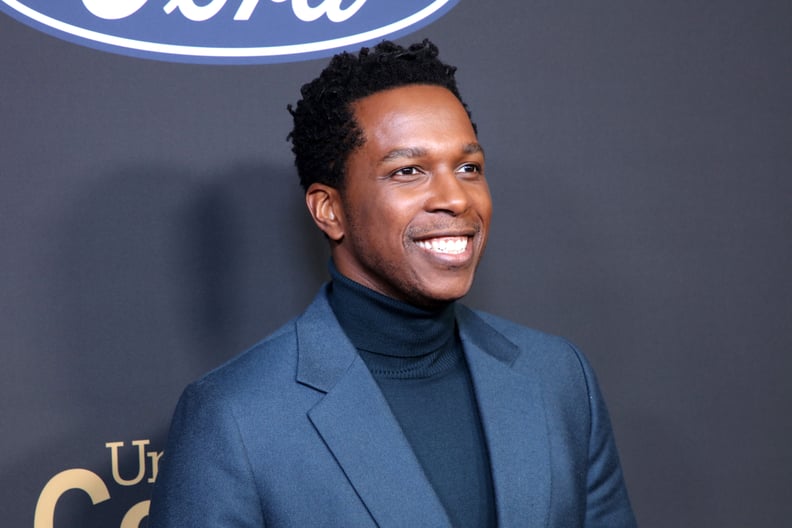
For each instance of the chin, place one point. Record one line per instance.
(438, 296)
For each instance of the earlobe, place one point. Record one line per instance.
(324, 204)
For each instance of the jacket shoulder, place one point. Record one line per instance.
(531, 341)
(550, 358)
(520, 334)
(271, 362)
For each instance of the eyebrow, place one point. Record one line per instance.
(417, 152)
(473, 148)
(409, 152)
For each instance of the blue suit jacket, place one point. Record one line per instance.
(295, 432)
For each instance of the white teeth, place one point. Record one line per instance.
(451, 245)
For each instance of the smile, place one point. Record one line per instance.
(446, 245)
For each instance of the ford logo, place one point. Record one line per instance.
(226, 31)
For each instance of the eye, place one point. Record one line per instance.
(472, 169)
(406, 173)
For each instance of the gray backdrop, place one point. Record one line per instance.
(639, 155)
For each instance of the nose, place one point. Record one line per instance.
(447, 194)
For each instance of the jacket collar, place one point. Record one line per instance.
(357, 425)
(512, 412)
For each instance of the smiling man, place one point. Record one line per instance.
(410, 219)
(387, 403)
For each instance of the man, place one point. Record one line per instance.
(387, 403)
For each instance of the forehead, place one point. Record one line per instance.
(413, 110)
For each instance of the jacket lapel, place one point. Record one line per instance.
(512, 414)
(357, 425)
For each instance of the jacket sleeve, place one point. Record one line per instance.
(205, 478)
(607, 502)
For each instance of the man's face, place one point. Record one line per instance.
(415, 207)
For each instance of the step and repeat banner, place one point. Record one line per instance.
(152, 226)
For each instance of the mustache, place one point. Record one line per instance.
(448, 228)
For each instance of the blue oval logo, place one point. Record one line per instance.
(226, 31)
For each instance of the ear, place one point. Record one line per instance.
(324, 203)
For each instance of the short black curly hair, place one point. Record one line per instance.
(325, 131)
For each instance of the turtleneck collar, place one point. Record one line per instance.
(382, 325)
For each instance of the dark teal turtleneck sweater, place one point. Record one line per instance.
(416, 357)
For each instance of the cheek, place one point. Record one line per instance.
(377, 229)
(390, 218)
(484, 205)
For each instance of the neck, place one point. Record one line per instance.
(383, 325)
